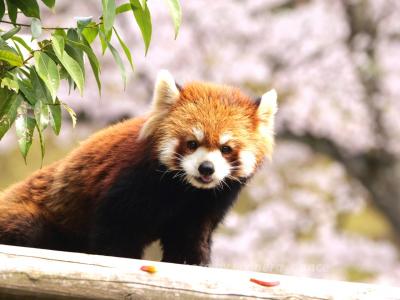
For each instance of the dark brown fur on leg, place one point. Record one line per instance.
(21, 229)
(188, 243)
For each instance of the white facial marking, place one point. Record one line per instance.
(198, 133)
(192, 162)
(167, 151)
(224, 138)
(248, 162)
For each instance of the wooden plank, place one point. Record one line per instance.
(26, 273)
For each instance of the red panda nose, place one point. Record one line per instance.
(206, 168)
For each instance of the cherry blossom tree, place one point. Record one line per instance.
(328, 204)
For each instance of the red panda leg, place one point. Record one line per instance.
(185, 245)
(21, 229)
(115, 243)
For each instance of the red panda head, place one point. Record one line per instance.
(209, 133)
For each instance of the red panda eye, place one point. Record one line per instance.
(192, 145)
(226, 149)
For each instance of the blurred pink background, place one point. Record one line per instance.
(328, 205)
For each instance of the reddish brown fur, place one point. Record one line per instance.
(60, 192)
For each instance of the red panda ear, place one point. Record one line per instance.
(166, 93)
(266, 111)
(268, 106)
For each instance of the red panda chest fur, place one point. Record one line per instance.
(171, 176)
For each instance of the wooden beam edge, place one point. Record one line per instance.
(47, 273)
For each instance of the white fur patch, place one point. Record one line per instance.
(266, 131)
(167, 151)
(165, 91)
(224, 138)
(248, 162)
(266, 112)
(268, 104)
(192, 162)
(198, 133)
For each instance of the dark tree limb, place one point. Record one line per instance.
(377, 169)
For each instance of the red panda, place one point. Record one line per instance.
(169, 176)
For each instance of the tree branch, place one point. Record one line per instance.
(360, 21)
(44, 27)
(29, 25)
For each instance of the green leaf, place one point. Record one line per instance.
(39, 88)
(12, 10)
(71, 113)
(176, 14)
(71, 84)
(18, 49)
(58, 43)
(125, 48)
(30, 8)
(73, 68)
(42, 117)
(50, 52)
(117, 59)
(94, 63)
(104, 38)
(9, 83)
(119, 62)
(49, 3)
(11, 57)
(143, 4)
(10, 33)
(23, 72)
(26, 88)
(21, 41)
(8, 110)
(2, 9)
(5, 100)
(143, 19)
(74, 52)
(48, 72)
(90, 32)
(55, 113)
(60, 32)
(123, 8)
(72, 34)
(36, 28)
(63, 73)
(25, 126)
(108, 14)
(82, 22)
(102, 42)
(41, 141)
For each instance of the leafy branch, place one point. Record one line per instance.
(29, 25)
(31, 70)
